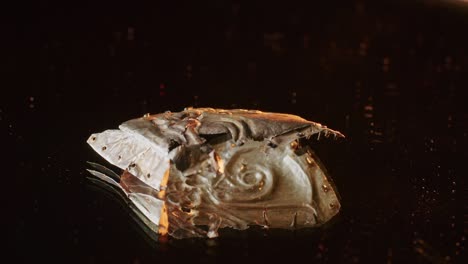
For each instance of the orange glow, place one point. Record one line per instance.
(164, 219)
(220, 163)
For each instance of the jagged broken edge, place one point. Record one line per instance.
(110, 188)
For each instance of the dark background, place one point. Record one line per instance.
(391, 75)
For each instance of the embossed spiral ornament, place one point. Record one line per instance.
(249, 183)
(217, 168)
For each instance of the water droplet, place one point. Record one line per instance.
(309, 160)
(294, 145)
(243, 167)
(325, 188)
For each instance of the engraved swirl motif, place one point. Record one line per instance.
(244, 181)
(220, 168)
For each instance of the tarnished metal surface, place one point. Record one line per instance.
(219, 168)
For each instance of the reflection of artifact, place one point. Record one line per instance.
(219, 168)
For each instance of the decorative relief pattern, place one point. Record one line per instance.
(214, 168)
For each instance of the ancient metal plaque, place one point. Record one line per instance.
(189, 173)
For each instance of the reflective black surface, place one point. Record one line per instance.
(391, 76)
